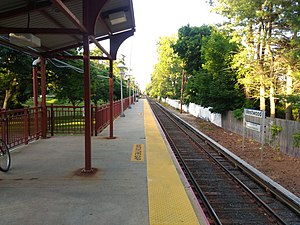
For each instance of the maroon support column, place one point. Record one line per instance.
(111, 100)
(87, 104)
(44, 108)
(35, 101)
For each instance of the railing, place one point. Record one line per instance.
(19, 126)
(23, 125)
(102, 116)
(65, 119)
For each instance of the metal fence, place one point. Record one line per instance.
(65, 120)
(23, 125)
(18, 126)
(70, 119)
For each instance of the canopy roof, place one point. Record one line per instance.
(61, 24)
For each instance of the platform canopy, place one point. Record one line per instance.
(48, 27)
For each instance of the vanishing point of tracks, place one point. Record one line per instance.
(226, 190)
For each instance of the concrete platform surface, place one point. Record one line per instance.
(45, 186)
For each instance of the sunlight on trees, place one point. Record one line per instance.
(253, 58)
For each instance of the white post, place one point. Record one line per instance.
(122, 68)
(129, 103)
(122, 108)
(133, 93)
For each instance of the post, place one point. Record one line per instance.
(133, 89)
(263, 124)
(111, 100)
(122, 68)
(44, 108)
(289, 91)
(122, 108)
(128, 82)
(133, 93)
(87, 104)
(35, 100)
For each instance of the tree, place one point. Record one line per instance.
(15, 78)
(188, 46)
(217, 83)
(166, 76)
(100, 86)
(268, 30)
(290, 52)
(66, 80)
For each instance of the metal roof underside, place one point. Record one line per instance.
(61, 24)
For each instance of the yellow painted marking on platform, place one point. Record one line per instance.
(137, 154)
(168, 200)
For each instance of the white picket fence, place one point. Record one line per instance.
(197, 111)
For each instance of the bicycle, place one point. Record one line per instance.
(4, 157)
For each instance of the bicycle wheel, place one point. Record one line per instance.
(4, 157)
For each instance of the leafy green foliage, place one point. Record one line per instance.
(275, 130)
(269, 34)
(15, 78)
(219, 87)
(99, 80)
(166, 77)
(296, 139)
(214, 84)
(243, 62)
(66, 83)
(100, 86)
(189, 45)
(238, 113)
(65, 80)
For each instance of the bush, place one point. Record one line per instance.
(296, 139)
(238, 113)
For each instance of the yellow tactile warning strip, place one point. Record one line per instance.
(137, 154)
(168, 201)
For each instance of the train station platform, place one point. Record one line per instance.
(137, 179)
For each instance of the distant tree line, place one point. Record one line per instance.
(64, 79)
(252, 60)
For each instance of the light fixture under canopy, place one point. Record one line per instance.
(24, 39)
(117, 18)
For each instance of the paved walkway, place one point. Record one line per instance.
(44, 185)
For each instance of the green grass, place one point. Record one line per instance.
(52, 101)
(49, 101)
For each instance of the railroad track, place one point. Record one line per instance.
(228, 191)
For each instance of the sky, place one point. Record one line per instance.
(159, 18)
